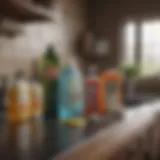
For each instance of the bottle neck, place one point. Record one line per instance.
(92, 72)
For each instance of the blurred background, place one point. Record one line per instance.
(131, 34)
(69, 59)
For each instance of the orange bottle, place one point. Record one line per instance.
(110, 93)
(91, 92)
(18, 100)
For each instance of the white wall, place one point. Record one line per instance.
(18, 52)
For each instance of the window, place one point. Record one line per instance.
(129, 43)
(149, 46)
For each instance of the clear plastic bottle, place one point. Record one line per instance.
(37, 99)
(71, 98)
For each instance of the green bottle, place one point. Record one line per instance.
(50, 79)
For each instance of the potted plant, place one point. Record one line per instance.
(130, 73)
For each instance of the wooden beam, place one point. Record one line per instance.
(45, 3)
(25, 11)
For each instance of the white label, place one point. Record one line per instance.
(23, 97)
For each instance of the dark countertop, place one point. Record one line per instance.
(41, 140)
(35, 140)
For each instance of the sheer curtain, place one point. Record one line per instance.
(129, 43)
(150, 46)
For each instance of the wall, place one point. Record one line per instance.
(106, 19)
(18, 52)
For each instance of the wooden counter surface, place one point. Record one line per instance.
(117, 138)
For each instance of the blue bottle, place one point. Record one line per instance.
(71, 98)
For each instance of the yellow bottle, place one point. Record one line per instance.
(19, 99)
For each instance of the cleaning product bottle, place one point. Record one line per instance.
(92, 85)
(110, 96)
(36, 99)
(19, 99)
(3, 93)
(50, 80)
(71, 98)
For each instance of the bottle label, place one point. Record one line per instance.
(111, 96)
(74, 91)
(23, 99)
(51, 73)
(23, 102)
